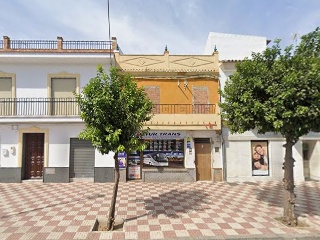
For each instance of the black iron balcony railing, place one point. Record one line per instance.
(184, 108)
(33, 44)
(54, 45)
(68, 107)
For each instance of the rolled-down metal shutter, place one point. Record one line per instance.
(81, 159)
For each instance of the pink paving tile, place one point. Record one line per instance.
(219, 232)
(60, 229)
(229, 220)
(224, 226)
(52, 223)
(186, 220)
(41, 235)
(178, 227)
(208, 220)
(242, 231)
(15, 236)
(131, 228)
(169, 234)
(201, 225)
(143, 235)
(164, 221)
(155, 228)
(246, 225)
(67, 235)
(195, 233)
(11, 229)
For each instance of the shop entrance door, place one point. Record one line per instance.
(203, 159)
(33, 155)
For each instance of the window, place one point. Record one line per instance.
(164, 153)
(61, 93)
(7, 94)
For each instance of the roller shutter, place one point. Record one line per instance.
(81, 159)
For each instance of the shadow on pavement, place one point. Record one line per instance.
(175, 203)
(53, 205)
(307, 197)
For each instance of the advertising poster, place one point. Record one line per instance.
(134, 167)
(122, 159)
(259, 158)
(134, 172)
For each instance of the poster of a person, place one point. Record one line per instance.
(260, 164)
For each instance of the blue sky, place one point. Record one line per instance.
(147, 26)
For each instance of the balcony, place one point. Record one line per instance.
(166, 116)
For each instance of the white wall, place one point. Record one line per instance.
(234, 46)
(31, 79)
(8, 140)
(104, 160)
(238, 156)
(314, 161)
(59, 143)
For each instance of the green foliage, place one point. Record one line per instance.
(114, 110)
(276, 91)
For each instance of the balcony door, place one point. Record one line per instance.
(62, 96)
(6, 101)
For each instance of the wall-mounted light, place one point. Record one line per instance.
(185, 84)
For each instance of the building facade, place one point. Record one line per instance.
(184, 138)
(239, 150)
(39, 119)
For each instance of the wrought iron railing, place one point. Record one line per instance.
(33, 44)
(184, 109)
(68, 107)
(53, 45)
(38, 107)
(88, 45)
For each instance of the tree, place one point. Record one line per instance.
(114, 110)
(277, 91)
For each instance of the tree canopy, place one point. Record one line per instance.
(275, 91)
(114, 110)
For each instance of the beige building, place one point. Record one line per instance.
(184, 139)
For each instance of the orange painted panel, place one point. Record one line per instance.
(172, 93)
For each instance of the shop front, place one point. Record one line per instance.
(172, 156)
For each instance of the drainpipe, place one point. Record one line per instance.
(224, 161)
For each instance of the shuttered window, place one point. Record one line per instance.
(62, 96)
(6, 101)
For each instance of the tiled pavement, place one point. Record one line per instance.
(155, 210)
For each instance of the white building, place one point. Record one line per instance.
(39, 120)
(239, 149)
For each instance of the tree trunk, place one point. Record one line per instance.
(289, 216)
(112, 209)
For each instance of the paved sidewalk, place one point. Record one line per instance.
(197, 210)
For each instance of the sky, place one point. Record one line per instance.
(148, 26)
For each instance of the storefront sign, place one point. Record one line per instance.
(164, 135)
